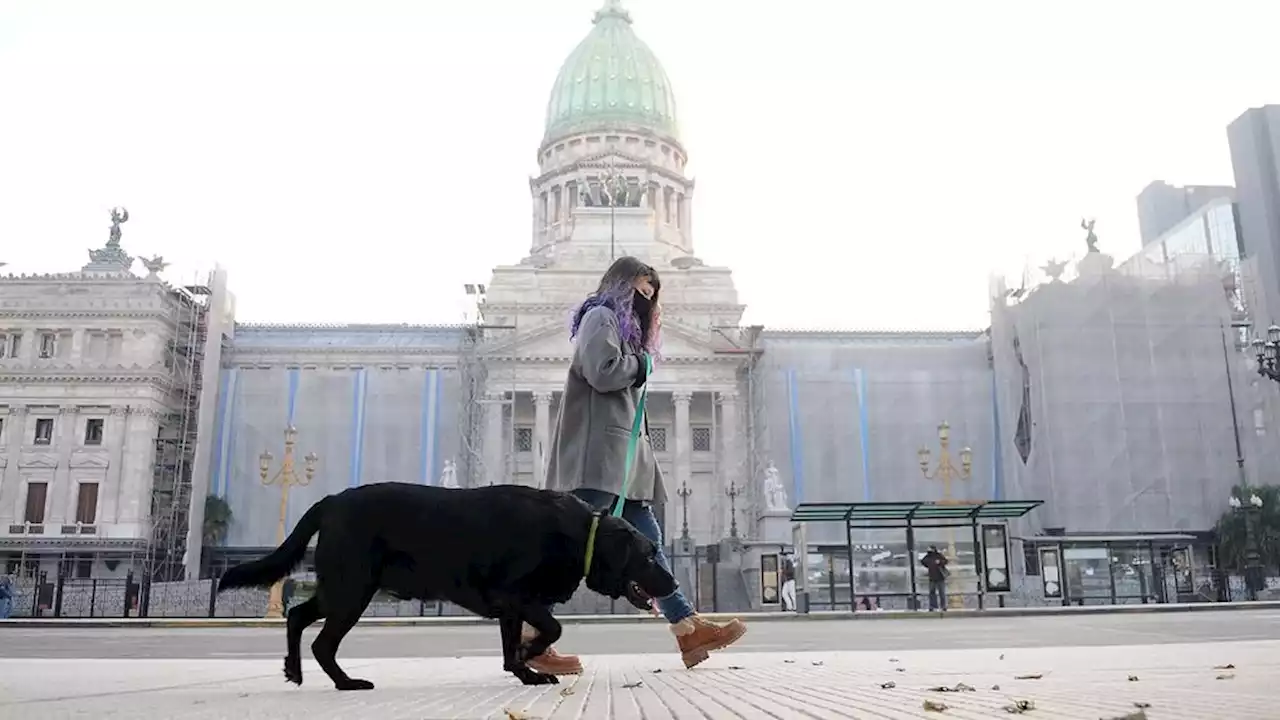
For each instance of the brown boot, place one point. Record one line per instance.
(698, 637)
(551, 662)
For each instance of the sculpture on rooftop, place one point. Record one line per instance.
(1091, 239)
(449, 476)
(154, 265)
(118, 215)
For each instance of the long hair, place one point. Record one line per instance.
(617, 292)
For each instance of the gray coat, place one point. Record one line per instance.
(589, 443)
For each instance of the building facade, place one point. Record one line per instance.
(1107, 396)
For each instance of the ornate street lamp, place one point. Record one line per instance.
(733, 491)
(1267, 353)
(286, 478)
(684, 492)
(1251, 512)
(946, 471)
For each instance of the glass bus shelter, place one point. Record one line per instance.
(877, 564)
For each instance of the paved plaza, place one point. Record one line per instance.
(1166, 666)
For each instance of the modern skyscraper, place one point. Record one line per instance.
(1162, 206)
(1253, 138)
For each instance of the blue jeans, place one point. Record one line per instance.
(674, 607)
(6, 607)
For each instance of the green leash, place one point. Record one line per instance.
(632, 445)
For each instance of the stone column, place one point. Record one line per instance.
(541, 436)
(109, 493)
(731, 460)
(683, 438)
(495, 455)
(10, 476)
(60, 492)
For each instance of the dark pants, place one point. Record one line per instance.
(938, 594)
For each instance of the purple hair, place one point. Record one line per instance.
(616, 292)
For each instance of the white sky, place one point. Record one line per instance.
(859, 164)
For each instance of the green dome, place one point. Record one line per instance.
(611, 80)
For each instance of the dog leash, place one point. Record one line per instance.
(633, 444)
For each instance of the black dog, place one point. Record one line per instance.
(505, 552)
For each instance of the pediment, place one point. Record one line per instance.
(552, 340)
(86, 459)
(38, 460)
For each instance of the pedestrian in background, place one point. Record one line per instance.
(6, 596)
(936, 565)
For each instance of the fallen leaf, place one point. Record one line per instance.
(657, 670)
(1228, 666)
(893, 659)
(516, 715)
(995, 687)
(933, 706)
(817, 663)
(1133, 678)
(1142, 705)
(889, 685)
(1225, 676)
(899, 669)
(736, 667)
(631, 685)
(1001, 656)
(1020, 707)
(566, 692)
(789, 662)
(1037, 676)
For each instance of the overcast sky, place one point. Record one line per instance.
(859, 164)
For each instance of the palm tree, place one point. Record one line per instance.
(1233, 536)
(217, 518)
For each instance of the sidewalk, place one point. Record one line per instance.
(629, 618)
(1179, 682)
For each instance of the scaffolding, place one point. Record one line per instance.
(176, 438)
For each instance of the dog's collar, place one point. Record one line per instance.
(591, 544)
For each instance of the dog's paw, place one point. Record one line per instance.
(293, 669)
(354, 684)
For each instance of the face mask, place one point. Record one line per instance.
(642, 305)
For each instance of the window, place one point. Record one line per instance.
(658, 439)
(701, 439)
(44, 431)
(10, 343)
(48, 345)
(36, 495)
(93, 431)
(524, 439)
(87, 503)
(1, 432)
(84, 567)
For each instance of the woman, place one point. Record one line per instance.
(615, 331)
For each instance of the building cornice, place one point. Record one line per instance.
(875, 335)
(353, 327)
(83, 376)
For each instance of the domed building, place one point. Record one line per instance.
(1064, 399)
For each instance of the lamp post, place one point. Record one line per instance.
(733, 491)
(684, 492)
(286, 478)
(1250, 512)
(946, 471)
(1267, 353)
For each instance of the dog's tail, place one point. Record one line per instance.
(265, 571)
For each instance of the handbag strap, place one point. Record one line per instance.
(633, 443)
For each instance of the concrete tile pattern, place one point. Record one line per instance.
(1176, 681)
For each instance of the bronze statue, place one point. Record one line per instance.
(118, 215)
(1091, 240)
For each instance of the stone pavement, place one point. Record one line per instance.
(1176, 681)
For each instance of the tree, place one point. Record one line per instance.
(1232, 538)
(217, 518)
